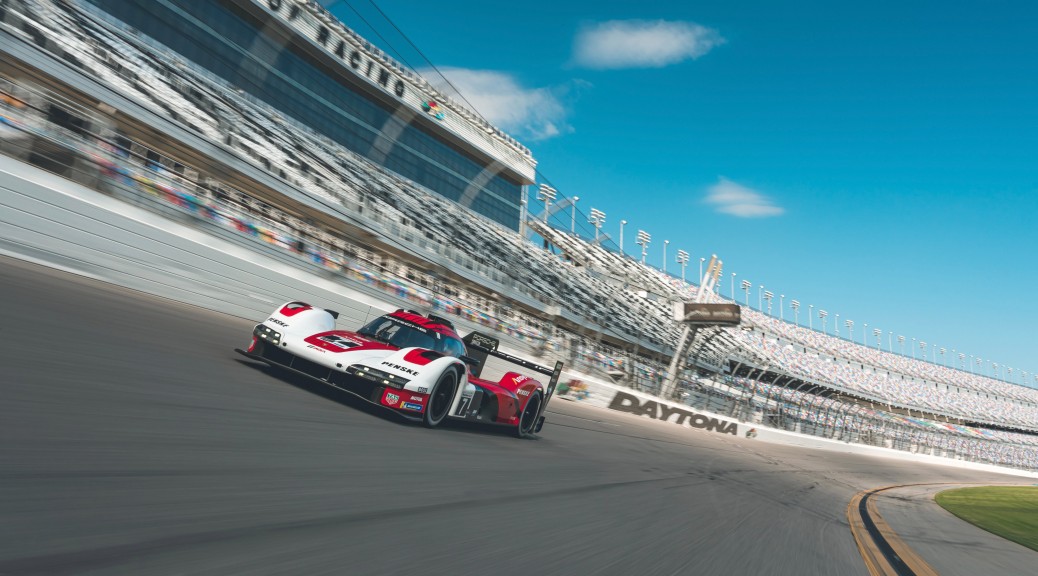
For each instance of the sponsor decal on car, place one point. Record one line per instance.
(423, 390)
(278, 322)
(520, 378)
(417, 399)
(523, 392)
(391, 398)
(624, 402)
(338, 340)
(411, 406)
(311, 346)
(411, 324)
(482, 341)
(403, 369)
(332, 341)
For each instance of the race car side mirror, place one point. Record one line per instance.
(469, 360)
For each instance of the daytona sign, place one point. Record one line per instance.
(624, 402)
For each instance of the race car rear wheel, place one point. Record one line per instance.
(528, 419)
(440, 399)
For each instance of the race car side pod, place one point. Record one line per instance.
(479, 346)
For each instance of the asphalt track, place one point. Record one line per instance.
(133, 440)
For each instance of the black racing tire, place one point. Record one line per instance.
(528, 419)
(440, 399)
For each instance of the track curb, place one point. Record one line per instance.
(884, 552)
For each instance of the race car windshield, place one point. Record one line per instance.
(404, 335)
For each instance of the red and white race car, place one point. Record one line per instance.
(414, 364)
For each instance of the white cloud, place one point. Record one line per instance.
(642, 43)
(526, 113)
(738, 200)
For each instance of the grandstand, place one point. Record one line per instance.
(170, 129)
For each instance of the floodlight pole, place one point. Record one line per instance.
(682, 258)
(573, 215)
(546, 194)
(622, 223)
(643, 240)
(597, 219)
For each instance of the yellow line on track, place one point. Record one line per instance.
(875, 561)
(870, 547)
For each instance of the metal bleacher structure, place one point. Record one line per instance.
(603, 312)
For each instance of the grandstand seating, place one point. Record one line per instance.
(891, 378)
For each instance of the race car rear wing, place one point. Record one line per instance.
(479, 346)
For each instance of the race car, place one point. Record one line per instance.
(416, 365)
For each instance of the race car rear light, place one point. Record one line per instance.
(267, 334)
(377, 376)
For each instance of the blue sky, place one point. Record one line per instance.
(878, 162)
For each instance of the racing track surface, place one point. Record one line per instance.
(135, 441)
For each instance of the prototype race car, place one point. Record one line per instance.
(414, 364)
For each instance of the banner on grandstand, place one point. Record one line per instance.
(703, 314)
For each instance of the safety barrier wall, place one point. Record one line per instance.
(697, 421)
(57, 222)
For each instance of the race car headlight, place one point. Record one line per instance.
(395, 381)
(267, 334)
(377, 376)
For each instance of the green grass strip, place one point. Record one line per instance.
(1008, 511)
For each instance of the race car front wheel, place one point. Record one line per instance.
(440, 399)
(528, 419)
